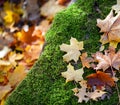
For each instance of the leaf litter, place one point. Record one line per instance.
(23, 25)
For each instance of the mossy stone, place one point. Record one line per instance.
(44, 84)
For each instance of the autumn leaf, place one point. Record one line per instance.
(110, 26)
(109, 59)
(116, 7)
(13, 57)
(83, 95)
(99, 79)
(72, 74)
(4, 51)
(85, 60)
(50, 8)
(73, 50)
(17, 75)
(4, 90)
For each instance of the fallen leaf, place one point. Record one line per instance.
(83, 95)
(13, 57)
(99, 79)
(109, 59)
(4, 51)
(73, 50)
(85, 60)
(17, 75)
(116, 7)
(110, 26)
(50, 8)
(72, 74)
(4, 90)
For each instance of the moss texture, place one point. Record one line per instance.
(44, 84)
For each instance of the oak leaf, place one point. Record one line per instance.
(72, 74)
(73, 50)
(111, 28)
(100, 79)
(109, 59)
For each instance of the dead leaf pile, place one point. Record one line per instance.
(23, 25)
(105, 64)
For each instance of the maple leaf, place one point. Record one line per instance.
(100, 79)
(110, 26)
(85, 60)
(72, 50)
(72, 74)
(109, 59)
(86, 96)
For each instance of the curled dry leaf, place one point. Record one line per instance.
(72, 74)
(73, 50)
(109, 59)
(85, 60)
(100, 79)
(111, 28)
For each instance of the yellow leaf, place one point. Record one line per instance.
(8, 17)
(17, 76)
(114, 44)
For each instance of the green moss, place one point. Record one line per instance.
(44, 84)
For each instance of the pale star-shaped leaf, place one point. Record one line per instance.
(72, 74)
(73, 50)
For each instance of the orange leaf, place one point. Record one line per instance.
(85, 60)
(100, 79)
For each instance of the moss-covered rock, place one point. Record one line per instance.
(44, 84)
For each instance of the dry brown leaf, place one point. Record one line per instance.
(111, 28)
(73, 50)
(85, 60)
(83, 95)
(99, 79)
(109, 59)
(72, 74)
